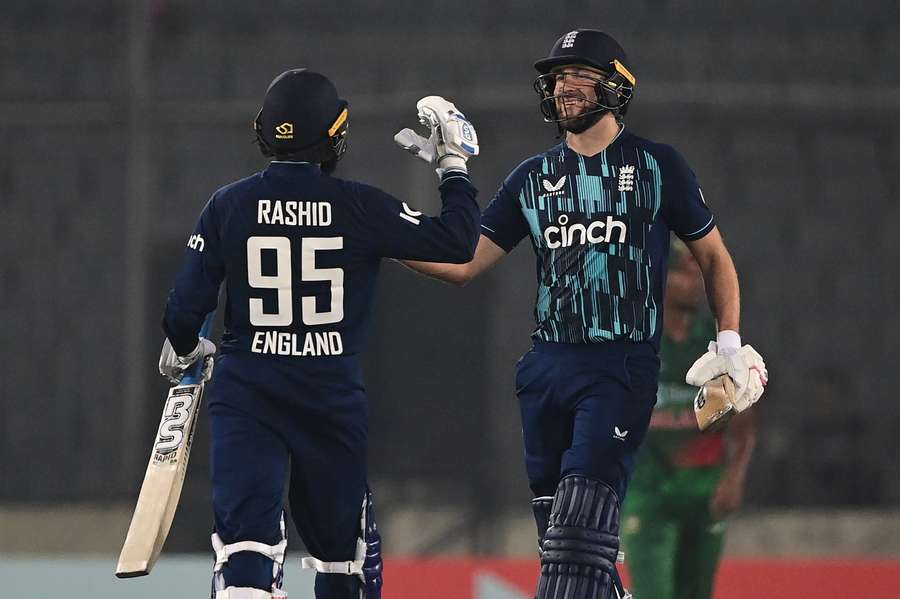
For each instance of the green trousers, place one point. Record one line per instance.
(672, 544)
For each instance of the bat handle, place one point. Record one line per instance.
(194, 374)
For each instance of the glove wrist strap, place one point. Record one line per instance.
(452, 162)
(728, 343)
(193, 356)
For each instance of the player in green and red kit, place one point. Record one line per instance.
(686, 481)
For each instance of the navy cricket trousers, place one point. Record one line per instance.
(272, 419)
(585, 410)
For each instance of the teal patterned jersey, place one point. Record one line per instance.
(600, 228)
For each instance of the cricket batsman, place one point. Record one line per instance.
(299, 250)
(686, 482)
(598, 209)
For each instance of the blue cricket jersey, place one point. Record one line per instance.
(299, 251)
(599, 227)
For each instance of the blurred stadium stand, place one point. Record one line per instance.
(120, 123)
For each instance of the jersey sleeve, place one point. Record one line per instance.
(397, 230)
(503, 221)
(196, 290)
(684, 209)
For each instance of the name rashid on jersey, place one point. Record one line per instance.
(293, 213)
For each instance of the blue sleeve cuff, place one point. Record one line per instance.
(491, 234)
(455, 175)
(699, 233)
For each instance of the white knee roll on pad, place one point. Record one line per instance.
(248, 593)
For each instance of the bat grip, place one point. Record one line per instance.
(194, 374)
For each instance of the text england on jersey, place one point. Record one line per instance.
(288, 344)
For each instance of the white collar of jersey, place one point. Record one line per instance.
(289, 162)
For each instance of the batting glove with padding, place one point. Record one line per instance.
(746, 369)
(173, 366)
(453, 139)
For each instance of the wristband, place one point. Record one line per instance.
(728, 343)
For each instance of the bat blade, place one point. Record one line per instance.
(163, 480)
(714, 403)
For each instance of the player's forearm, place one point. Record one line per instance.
(487, 254)
(723, 290)
(457, 274)
(184, 316)
(182, 329)
(461, 217)
(449, 238)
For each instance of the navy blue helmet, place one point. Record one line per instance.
(302, 118)
(594, 49)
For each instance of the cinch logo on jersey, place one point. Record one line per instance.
(195, 242)
(597, 231)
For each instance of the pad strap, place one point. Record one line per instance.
(580, 546)
(367, 563)
(223, 551)
(353, 567)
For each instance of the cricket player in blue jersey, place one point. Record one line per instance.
(598, 209)
(299, 251)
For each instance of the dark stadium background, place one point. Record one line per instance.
(120, 119)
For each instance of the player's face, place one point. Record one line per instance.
(575, 90)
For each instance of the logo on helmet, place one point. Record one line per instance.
(284, 131)
(569, 39)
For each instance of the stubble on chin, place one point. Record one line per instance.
(576, 123)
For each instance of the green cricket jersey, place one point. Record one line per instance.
(674, 441)
(671, 540)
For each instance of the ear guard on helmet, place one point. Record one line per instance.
(337, 133)
(260, 142)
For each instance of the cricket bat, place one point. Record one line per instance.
(714, 403)
(165, 473)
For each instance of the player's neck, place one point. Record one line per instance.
(597, 138)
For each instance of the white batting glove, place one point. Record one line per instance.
(745, 367)
(453, 139)
(173, 366)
